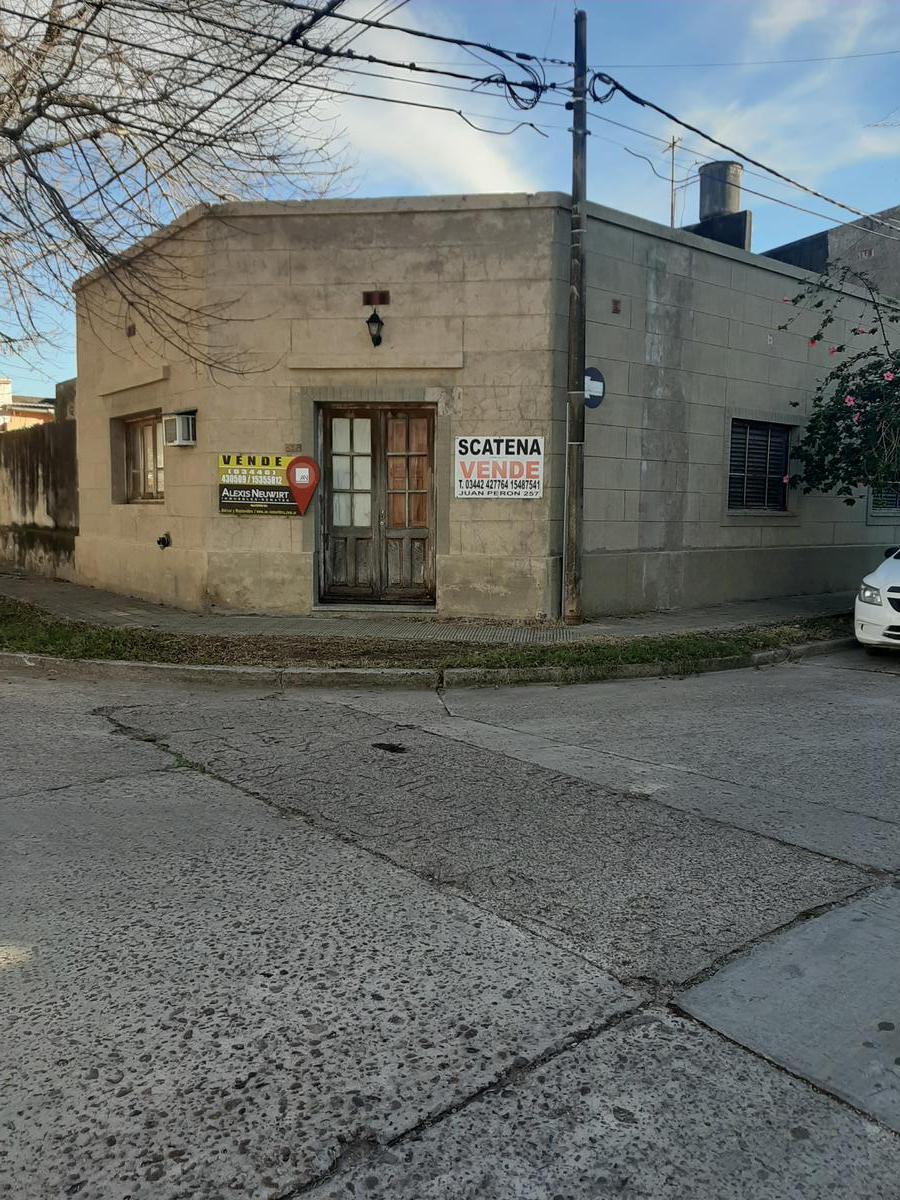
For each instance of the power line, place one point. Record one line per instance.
(324, 52)
(257, 74)
(535, 85)
(762, 62)
(614, 86)
(520, 55)
(470, 117)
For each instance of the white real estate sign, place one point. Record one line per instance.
(499, 468)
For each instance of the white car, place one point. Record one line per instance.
(876, 616)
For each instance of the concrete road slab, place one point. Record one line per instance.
(655, 1109)
(886, 662)
(202, 998)
(82, 747)
(639, 889)
(796, 752)
(842, 834)
(822, 999)
(799, 730)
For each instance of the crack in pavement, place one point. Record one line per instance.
(653, 797)
(364, 1147)
(331, 829)
(517, 1072)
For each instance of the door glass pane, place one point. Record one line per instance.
(340, 434)
(418, 435)
(340, 472)
(362, 472)
(418, 510)
(396, 435)
(362, 509)
(397, 510)
(417, 469)
(362, 435)
(341, 508)
(396, 466)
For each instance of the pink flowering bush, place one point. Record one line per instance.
(852, 438)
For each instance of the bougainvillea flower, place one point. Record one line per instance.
(849, 401)
(832, 349)
(811, 342)
(889, 376)
(857, 417)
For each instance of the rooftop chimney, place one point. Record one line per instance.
(720, 189)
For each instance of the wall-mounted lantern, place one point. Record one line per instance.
(374, 324)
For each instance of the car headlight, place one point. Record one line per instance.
(869, 594)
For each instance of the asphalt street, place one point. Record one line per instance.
(622, 940)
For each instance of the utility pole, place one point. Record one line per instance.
(573, 513)
(674, 142)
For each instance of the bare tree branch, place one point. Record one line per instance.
(118, 115)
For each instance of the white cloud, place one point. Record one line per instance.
(810, 120)
(831, 26)
(777, 20)
(434, 151)
(428, 151)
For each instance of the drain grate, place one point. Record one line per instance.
(390, 747)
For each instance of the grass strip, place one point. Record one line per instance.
(27, 629)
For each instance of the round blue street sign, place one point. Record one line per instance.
(594, 387)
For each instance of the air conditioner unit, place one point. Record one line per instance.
(180, 429)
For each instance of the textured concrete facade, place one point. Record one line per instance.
(695, 343)
(472, 329)
(684, 329)
(867, 246)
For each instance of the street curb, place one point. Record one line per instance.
(504, 677)
(276, 678)
(280, 678)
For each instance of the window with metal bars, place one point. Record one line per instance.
(758, 466)
(886, 499)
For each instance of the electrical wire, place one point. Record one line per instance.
(763, 62)
(519, 55)
(535, 85)
(466, 117)
(613, 86)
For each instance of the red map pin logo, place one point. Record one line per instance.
(302, 479)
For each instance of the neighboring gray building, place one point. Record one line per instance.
(860, 245)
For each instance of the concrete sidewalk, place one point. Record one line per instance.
(76, 603)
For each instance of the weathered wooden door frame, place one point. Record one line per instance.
(378, 412)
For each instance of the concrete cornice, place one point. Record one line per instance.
(289, 208)
(460, 203)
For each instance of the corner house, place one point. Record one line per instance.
(391, 426)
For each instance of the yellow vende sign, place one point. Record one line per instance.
(254, 483)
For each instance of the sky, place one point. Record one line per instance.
(833, 125)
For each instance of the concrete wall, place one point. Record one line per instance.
(474, 327)
(860, 245)
(39, 499)
(695, 344)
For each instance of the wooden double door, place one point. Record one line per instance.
(378, 504)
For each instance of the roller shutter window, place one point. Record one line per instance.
(759, 463)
